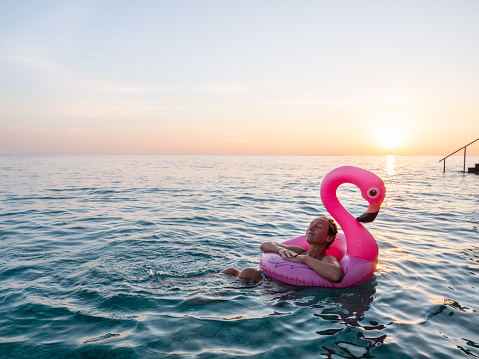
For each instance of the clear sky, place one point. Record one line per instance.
(319, 77)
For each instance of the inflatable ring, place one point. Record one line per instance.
(355, 248)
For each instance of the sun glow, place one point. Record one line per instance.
(392, 135)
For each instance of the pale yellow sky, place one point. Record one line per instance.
(249, 77)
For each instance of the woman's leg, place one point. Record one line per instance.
(247, 273)
(250, 273)
(232, 271)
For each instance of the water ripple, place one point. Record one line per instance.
(118, 256)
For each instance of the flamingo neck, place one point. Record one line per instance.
(344, 218)
(360, 243)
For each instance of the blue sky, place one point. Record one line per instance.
(239, 77)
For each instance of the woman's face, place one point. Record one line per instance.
(317, 231)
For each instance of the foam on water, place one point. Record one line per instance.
(117, 256)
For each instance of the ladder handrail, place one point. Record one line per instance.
(459, 149)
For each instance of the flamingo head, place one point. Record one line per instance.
(371, 186)
(373, 190)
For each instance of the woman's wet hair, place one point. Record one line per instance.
(332, 228)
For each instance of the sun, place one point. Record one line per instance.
(391, 135)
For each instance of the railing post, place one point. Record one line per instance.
(464, 168)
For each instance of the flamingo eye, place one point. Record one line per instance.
(373, 192)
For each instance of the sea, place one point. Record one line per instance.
(119, 257)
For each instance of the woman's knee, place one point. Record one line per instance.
(250, 273)
(232, 271)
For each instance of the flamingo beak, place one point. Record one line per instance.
(370, 214)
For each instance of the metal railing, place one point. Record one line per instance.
(444, 159)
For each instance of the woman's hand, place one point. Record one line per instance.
(286, 253)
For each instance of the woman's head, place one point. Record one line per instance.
(333, 227)
(322, 229)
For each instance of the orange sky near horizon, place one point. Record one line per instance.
(273, 78)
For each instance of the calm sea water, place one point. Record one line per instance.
(117, 256)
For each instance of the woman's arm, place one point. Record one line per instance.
(281, 249)
(328, 267)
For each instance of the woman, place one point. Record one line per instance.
(320, 234)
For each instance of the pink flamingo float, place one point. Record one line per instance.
(355, 248)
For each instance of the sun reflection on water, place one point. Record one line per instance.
(390, 166)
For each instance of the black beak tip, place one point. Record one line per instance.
(367, 217)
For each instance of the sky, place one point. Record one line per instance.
(262, 77)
